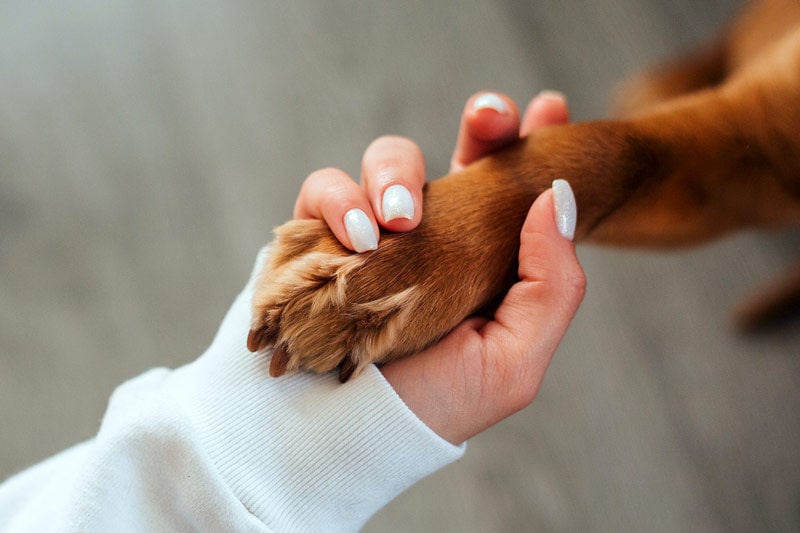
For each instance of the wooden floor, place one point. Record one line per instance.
(148, 147)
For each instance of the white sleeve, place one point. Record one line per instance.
(218, 445)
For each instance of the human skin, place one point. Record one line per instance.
(484, 370)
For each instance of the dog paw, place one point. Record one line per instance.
(322, 307)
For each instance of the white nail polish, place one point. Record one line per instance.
(491, 101)
(397, 203)
(359, 229)
(553, 95)
(565, 209)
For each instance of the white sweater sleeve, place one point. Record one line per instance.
(218, 445)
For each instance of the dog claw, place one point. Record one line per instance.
(254, 340)
(260, 338)
(279, 362)
(347, 368)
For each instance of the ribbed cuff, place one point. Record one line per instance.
(303, 452)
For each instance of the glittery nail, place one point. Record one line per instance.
(397, 203)
(360, 231)
(565, 209)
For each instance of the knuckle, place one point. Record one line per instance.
(389, 150)
(575, 283)
(324, 176)
(325, 191)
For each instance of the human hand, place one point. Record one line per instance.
(483, 371)
(488, 123)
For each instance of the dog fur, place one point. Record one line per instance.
(705, 146)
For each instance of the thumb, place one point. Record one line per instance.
(538, 309)
(468, 382)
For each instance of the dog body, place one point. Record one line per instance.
(705, 146)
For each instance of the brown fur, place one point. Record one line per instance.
(706, 146)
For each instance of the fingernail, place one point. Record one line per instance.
(553, 95)
(397, 203)
(490, 101)
(565, 210)
(359, 230)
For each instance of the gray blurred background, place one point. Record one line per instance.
(147, 148)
